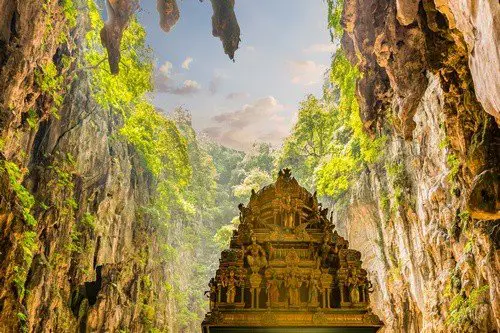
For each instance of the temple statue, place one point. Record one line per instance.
(272, 285)
(287, 267)
(230, 283)
(293, 283)
(313, 291)
(256, 257)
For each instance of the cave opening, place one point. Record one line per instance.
(88, 290)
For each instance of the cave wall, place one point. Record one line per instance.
(426, 218)
(90, 259)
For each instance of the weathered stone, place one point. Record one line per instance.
(119, 14)
(169, 13)
(225, 26)
(415, 233)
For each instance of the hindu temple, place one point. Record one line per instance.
(288, 270)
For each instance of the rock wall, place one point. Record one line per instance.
(76, 254)
(427, 218)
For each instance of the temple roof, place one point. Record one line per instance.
(286, 266)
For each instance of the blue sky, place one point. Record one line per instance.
(284, 52)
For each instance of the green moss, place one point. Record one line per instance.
(51, 83)
(397, 178)
(469, 246)
(462, 310)
(71, 203)
(88, 221)
(454, 165)
(24, 197)
(70, 12)
(148, 314)
(464, 217)
(75, 243)
(32, 118)
(23, 321)
(28, 245)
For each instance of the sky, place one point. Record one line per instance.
(284, 52)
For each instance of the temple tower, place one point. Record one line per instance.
(287, 270)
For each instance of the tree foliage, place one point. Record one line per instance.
(328, 146)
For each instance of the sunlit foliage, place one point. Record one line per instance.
(328, 146)
(155, 137)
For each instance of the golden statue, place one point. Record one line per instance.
(256, 257)
(230, 284)
(287, 267)
(273, 291)
(313, 291)
(293, 283)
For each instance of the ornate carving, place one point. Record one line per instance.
(285, 257)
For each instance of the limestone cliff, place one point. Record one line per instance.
(76, 253)
(427, 218)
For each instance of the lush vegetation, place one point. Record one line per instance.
(328, 146)
(198, 182)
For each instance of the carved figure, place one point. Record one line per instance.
(212, 293)
(353, 282)
(230, 283)
(293, 283)
(287, 212)
(273, 291)
(313, 291)
(256, 257)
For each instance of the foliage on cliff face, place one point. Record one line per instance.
(328, 145)
(157, 138)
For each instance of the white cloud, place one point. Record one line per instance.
(166, 85)
(320, 48)
(189, 87)
(258, 121)
(186, 63)
(306, 72)
(166, 69)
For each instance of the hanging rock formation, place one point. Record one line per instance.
(169, 13)
(224, 25)
(119, 14)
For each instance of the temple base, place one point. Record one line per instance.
(290, 329)
(291, 321)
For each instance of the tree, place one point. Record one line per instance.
(255, 180)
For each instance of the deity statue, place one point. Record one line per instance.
(270, 251)
(212, 293)
(293, 283)
(273, 291)
(353, 282)
(325, 250)
(256, 257)
(230, 282)
(313, 291)
(287, 211)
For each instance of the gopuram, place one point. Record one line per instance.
(287, 270)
